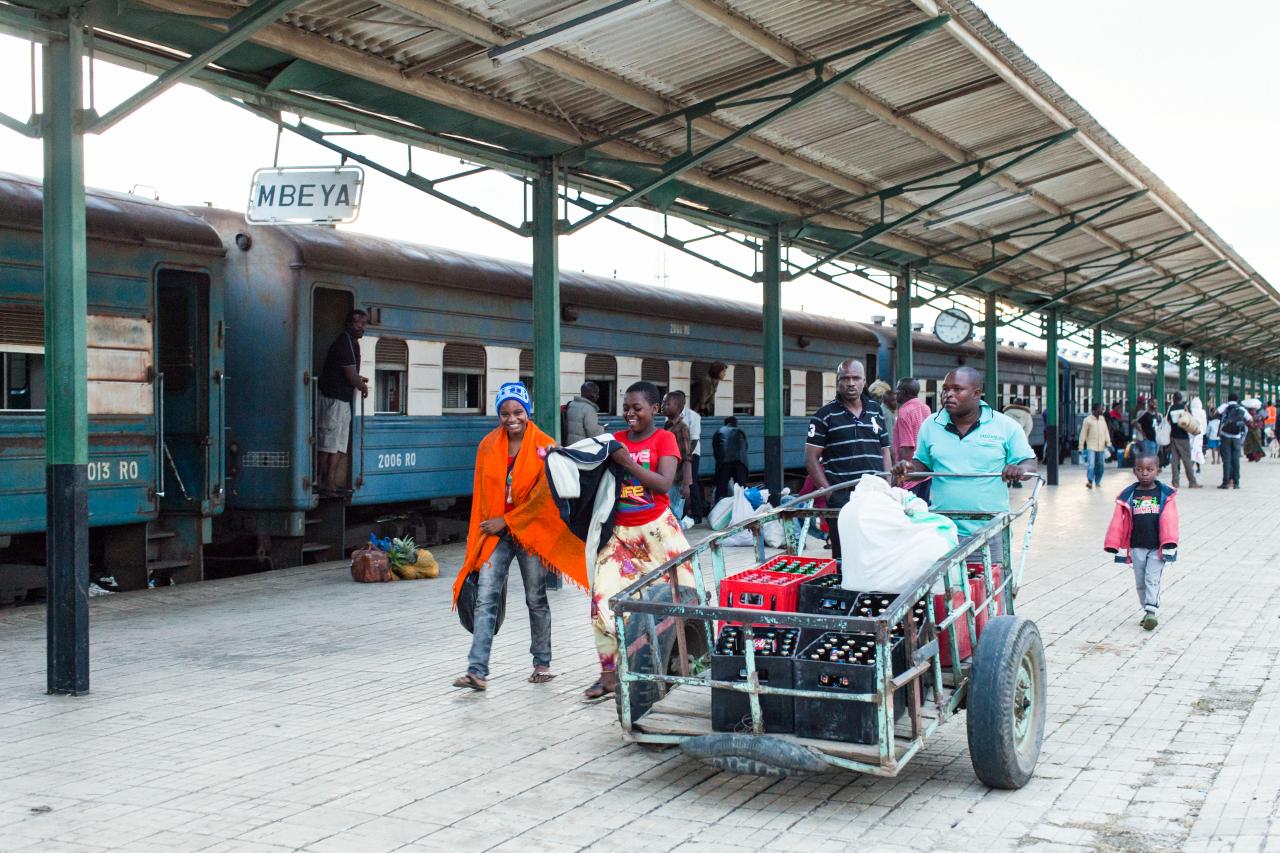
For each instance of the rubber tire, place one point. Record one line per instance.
(998, 760)
(640, 659)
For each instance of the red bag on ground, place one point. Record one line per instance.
(369, 565)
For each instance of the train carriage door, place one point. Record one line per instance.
(329, 310)
(188, 454)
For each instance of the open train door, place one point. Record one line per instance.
(329, 311)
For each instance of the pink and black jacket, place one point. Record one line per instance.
(1120, 533)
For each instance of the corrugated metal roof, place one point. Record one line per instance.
(957, 93)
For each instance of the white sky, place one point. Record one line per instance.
(1191, 93)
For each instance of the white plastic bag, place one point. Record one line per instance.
(775, 535)
(888, 537)
(742, 511)
(721, 514)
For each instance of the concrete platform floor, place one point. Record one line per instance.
(297, 710)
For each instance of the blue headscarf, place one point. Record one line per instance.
(513, 391)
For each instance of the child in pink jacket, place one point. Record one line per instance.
(1146, 525)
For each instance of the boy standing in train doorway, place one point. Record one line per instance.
(339, 379)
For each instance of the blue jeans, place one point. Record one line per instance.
(1148, 446)
(1230, 448)
(493, 577)
(677, 501)
(1095, 463)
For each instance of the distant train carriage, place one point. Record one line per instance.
(155, 362)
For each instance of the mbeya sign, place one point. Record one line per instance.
(305, 195)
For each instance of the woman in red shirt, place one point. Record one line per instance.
(645, 533)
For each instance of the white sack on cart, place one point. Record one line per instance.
(888, 537)
(742, 511)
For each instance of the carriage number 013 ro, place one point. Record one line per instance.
(122, 470)
(397, 460)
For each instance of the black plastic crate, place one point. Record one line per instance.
(824, 596)
(731, 710)
(837, 719)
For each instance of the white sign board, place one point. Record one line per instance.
(319, 195)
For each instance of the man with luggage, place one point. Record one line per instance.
(1180, 441)
(1235, 423)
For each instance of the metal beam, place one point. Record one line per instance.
(546, 302)
(620, 10)
(1106, 318)
(773, 366)
(1132, 259)
(903, 347)
(240, 29)
(1160, 380)
(882, 47)
(29, 129)
(1097, 364)
(1052, 393)
(962, 185)
(1103, 208)
(66, 388)
(1132, 384)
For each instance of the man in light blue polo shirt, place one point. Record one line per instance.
(969, 437)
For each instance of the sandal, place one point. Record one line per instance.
(471, 680)
(601, 688)
(541, 676)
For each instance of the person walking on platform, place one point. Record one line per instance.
(912, 413)
(580, 415)
(729, 445)
(1095, 438)
(339, 380)
(969, 437)
(672, 406)
(1145, 526)
(1211, 439)
(1196, 408)
(1231, 431)
(645, 533)
(697, 506)
(514, 517)
(1180, 418)
(882, 393)
(1121, 432)
(847, 439)
(1145, 421)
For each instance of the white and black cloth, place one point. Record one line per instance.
(585, 485)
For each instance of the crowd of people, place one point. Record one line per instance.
(866, 429)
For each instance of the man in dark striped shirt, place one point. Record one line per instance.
(847, 438)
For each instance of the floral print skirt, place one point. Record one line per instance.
(630, 553)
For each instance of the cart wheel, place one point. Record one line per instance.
(1006, 702)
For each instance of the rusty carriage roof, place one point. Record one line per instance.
(882, 133)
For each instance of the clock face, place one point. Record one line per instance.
(953, 326)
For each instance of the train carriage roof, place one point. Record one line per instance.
(111, 217)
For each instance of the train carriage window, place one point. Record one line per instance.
(464, 366)
(657, 371)
(813, 391)
(391, 376)
(603, 370)
(786, 393)
(526, 368)
(21, 359)
(744, 389)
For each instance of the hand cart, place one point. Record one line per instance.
(664, 698)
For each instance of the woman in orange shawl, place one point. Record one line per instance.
(514, 517)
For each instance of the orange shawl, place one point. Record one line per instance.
(535, 521)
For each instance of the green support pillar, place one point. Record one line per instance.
(1184, 381)
(773, 364)
(1096, 399)
(1133, 375)
(1231, 379)
(546, 303)
(1051, 397)
(1160, 382)
(1204, 380)
(903, 366)
(990, 355)
(66, 389)
(1217, 382)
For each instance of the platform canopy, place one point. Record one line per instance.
(886, 133)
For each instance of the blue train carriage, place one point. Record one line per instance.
(155, 367)
(445, 330)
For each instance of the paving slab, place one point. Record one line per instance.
(296, 710)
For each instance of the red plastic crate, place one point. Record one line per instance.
(762, 588)
(977, 592)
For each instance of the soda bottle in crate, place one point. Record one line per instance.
(842, 663)
(775, 650)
